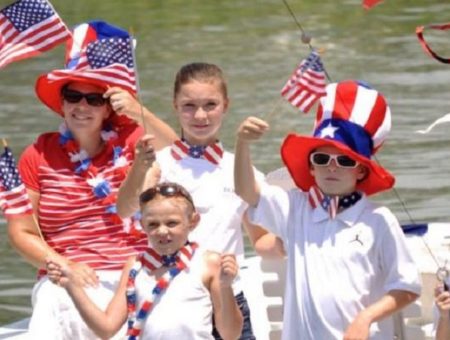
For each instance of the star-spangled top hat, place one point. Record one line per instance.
(356, 120)
(78, 68)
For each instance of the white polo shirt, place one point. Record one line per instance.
(336, 267)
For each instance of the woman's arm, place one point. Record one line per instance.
(220, 273)
(442, 300)
(123, 102)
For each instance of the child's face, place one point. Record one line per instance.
(201, 107)
(335, 180)
(167, 221)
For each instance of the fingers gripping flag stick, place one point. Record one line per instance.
(28, 28)
(307, 83)
(14, 198)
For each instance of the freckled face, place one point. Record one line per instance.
(201, 107)
(335, 180)
(167, 223)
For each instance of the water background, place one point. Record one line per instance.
(257, 44)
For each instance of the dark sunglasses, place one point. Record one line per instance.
(167, 190)
(73, 97)
(324, 159)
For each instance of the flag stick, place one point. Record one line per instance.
(274, 110)
(136, 76)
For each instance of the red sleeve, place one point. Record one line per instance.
(29, 163)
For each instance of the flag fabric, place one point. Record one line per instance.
(109, 60)
(14, 199)
(368, 4)
(307, 83)
(27, 28)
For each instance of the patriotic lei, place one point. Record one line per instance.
(136, 319)
(84, 167)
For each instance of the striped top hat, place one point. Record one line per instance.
(355, 119)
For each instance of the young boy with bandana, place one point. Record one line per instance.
(348, 265)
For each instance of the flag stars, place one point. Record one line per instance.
(26, 13)
(328, 131)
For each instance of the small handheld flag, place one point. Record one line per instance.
(14, 198)
(307, 83)
(28, 28)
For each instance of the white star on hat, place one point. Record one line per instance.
(328, 131)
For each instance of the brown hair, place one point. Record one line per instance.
(201, 72)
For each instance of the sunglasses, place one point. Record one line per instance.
(324, 159)
(73, 97)
(166, 190)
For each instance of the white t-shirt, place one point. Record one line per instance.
(336, 267)
(184, 310)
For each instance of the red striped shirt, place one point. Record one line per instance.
(73, 221)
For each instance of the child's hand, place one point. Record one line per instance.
(252, 129)
(145, 153)
(122, 102)
(228, 269)
(442, 300)
(54, 271)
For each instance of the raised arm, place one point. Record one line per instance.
(123, 102)
(221, 271)
(390, 303)
(246, 187)
(144, 172)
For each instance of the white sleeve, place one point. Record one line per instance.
(401, 271)
(272, 211)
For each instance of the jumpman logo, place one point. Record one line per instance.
(356, 239)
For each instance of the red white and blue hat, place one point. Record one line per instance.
(98, 53)
(355, 119)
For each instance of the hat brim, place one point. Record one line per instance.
(49, 91)
(295, 152)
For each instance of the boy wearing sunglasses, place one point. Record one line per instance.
(174, 288)
(348, 265)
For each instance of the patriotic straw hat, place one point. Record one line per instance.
(85, 61)
(353, 118)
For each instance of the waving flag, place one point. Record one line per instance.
(368, 4)
(27, 28)
(307, 83)
(14, 198)
(104, 55)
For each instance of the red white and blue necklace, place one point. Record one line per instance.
(84, 167)
(150, 260)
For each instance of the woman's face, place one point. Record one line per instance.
(84, 115)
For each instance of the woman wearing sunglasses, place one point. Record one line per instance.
(348, 266)
(72, 177)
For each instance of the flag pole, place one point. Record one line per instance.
(136, 76)
(36, 224)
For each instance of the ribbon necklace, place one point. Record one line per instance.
(212, 152)
(150, 260)
(332, 204)
(101, 188)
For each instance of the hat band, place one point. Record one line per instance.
(348, 133)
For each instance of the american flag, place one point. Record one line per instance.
(27, 28)
(307, 83)
(109, 60)
(368, 4)
(14, 198)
